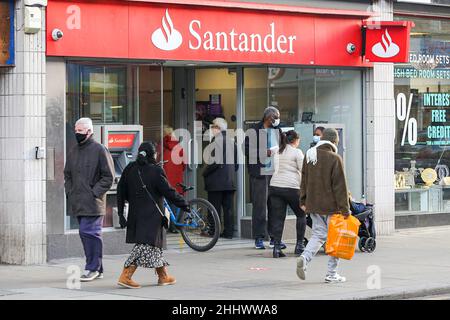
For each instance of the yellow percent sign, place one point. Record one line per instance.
(403, 114)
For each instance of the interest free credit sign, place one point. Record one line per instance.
(175, 32)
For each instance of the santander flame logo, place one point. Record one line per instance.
(167, 38)
(386, 48)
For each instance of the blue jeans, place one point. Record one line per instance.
(91, 236)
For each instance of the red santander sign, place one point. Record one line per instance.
(139, 30)
(120, 140)
(387, 41)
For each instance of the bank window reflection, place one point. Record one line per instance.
(309, 98)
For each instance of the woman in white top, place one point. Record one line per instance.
(284, 190)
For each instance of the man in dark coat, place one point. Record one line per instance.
(220, 175)
(323, 192)
(261, 143)
(88, 175)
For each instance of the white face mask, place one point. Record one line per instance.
(276, 123)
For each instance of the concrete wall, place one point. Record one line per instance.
(22, 128)
(380, 122)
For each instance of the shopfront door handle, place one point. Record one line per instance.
(190, 163)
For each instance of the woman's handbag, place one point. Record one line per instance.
(342, 236)
(166, 215)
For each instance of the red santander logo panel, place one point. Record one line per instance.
(387, 41)
(133, 30)
(120, 140)
(219, 35)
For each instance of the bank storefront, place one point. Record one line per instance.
(422, 147)
(134, 67)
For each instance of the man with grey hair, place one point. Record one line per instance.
(259, 150)
(220, 175)
(323, 192)
(88, 175)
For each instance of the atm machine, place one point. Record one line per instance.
(123, 142)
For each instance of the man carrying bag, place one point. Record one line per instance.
(323, 192)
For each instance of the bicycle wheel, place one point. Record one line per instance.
(203, 228)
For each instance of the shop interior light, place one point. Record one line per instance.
(116, 107)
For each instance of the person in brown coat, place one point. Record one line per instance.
(323, 192)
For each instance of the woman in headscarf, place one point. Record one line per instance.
(143, 184)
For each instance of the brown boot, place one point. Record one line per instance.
(164, 278)
(125, 278)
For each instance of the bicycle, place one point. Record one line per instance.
(200, 228)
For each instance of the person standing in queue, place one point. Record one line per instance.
(261, 143)
(220, 175)
(318, 133)
(143, 185)
(174, 164)
(284, 190)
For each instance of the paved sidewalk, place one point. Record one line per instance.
(411, 263)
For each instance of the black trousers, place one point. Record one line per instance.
(224, 200)
(279, 199)
(259, 188)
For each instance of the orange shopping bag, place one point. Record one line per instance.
(342, 236)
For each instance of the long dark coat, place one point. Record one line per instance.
(222, 176)
(144, 220)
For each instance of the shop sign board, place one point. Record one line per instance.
(387, 41)
(121, 140)
(6, 33)
(438, 132)
(137, 30)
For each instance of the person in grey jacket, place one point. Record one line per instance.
(88, 175)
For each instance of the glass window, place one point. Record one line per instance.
(310, 98)
(100, 92)
(422, 91)
(106, 94)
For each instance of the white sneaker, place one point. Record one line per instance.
(301, 268)
(100, 275)
(334, 278)
(89, 276)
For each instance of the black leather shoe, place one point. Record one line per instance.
(299, 248)
(277, 253)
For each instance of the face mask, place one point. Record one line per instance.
(276, 122)
(316, 139)
(80, 137)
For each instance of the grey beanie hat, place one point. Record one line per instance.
(330, 134)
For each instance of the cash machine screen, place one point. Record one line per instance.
(122, 145)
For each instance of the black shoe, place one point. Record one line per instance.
(299, 248)
(277, 253)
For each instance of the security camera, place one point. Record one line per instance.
(351, 48)
(57, 34)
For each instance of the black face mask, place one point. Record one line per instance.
(80, 137)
